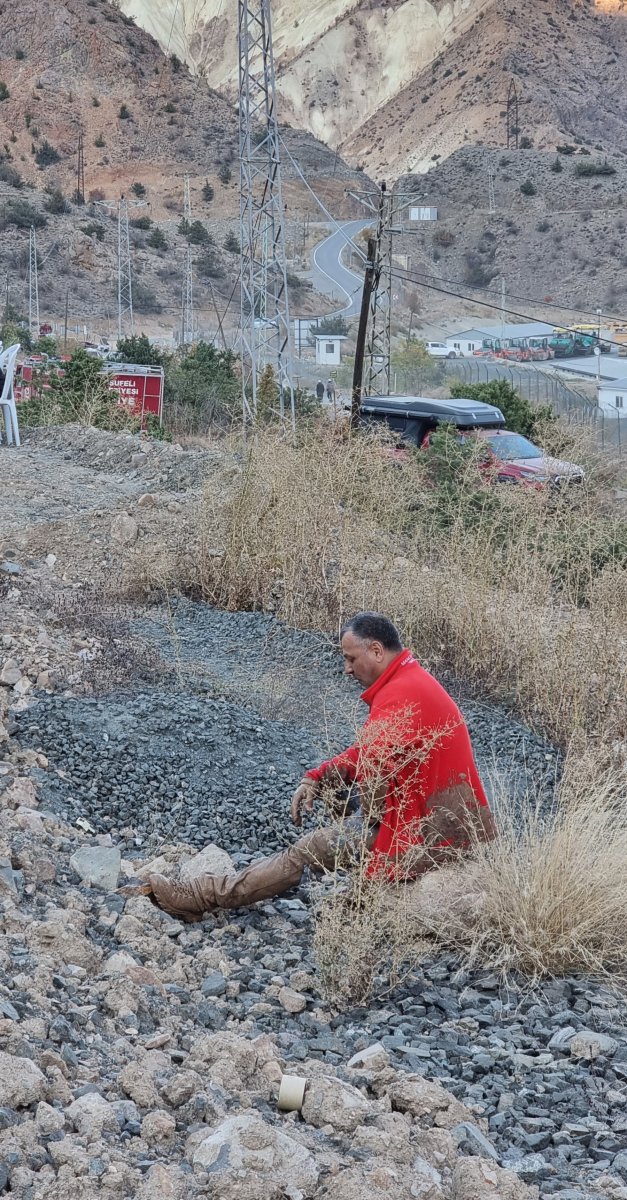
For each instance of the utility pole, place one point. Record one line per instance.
(187, 313)
(491, 199)
(33, 286)
(80, 171)
(358, 369)
(264, 340)
(67, 308)
(502, 309)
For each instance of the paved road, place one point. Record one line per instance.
(330, 276)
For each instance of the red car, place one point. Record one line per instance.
(514, 459)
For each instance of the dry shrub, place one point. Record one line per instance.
(548, 896)
(519, 591)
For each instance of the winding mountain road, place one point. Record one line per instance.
(330, 276)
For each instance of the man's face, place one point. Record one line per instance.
(364, 660)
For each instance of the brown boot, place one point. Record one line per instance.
(268, 877)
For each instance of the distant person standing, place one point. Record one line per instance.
(331, 391)
(320, 391)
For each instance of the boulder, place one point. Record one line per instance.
(158, 1127)
(426, 1098)
(291, 1001)
(137, 1083)
(330, 1101)
(97, 866)
(124, 529)
(480, 1179)
(91, 1115)
(211, 860)
(21, 1082)
(589, 1044)
(247, 1158)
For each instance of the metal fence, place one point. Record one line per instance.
(541, 386)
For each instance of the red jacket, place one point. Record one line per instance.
(415, 739)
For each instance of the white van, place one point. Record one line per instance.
(440, 350)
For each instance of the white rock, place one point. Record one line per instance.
(246, 1152)
(426, 1098)
(589, 1044)
(157, 1127)
(124, 529)
(97, 866)
(48, 1119)
(291, 1001)
(479, 1179)
(21, 1082)
(373, 1058)
(148, 500)
(91, 1115)
(21, 794)
(211, 860)
(10, 672)
(330, 1101)
(426, 1185)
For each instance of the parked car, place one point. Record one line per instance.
(440, 350)
(412, 418)
(512, 458)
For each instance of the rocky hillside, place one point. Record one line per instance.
(397, 86)
(556, 232)
(82, 65)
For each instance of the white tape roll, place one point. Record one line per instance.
(292, 1093)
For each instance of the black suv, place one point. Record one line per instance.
(413, 417)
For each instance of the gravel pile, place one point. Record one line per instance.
(217, 759)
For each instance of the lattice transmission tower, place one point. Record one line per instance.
(265, 323)
(377, 358)
(80, 171)
(33, 286)
(187, 313)
(125, 282)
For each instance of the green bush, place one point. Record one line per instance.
(10, 175)
(209, 264)
(138, 190)
(23, 215)
(140, 350)
(124, 113)
(204, 388)
(93, 229)
(99, 141)
(56, 202)
(20, 55)
(594, 168)
(556, 166)
(46, 155)
(566, 149)
(4, 91)
(528, 188)
(144, 223)
(208, 192)
(225, 174)
(145, 300)
(525, 143)
(157, 240)
(520, 416)
(231, 243)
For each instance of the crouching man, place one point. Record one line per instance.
(412, 782)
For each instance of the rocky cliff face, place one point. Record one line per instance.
(396, 86)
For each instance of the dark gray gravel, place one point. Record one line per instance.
(215, 756)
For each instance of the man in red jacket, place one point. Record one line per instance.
(411, 776)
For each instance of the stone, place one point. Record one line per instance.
(373, 1058)
(21, 794)
(214, 984)
(158, 1127)
(137, 1083)
(211, 860)
(91, 1115)
(21, 1082)
(181, 1087)
(139, 458)
(10, 673)
(48, 1119)
(426, 1181)
(331, 1101)
(480, 1179)
(589, 1044)
(562, 1038)
(291, 1001)
(10, 568)
(8, 886)
(255, 1159)
(426, 1098)
(124, 529)
(468, 1133)
(532, 1167)
(148, 500)
(97, 866)
(164, 1182)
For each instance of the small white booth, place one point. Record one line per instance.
(329, 349)
(613, 396)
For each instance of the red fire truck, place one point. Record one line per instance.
(138, 388)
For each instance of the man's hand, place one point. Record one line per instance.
(303, 798)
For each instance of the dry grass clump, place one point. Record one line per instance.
(521, 591)
(548, 897)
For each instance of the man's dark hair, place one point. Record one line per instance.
(374, 627)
